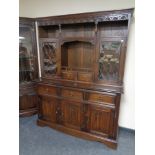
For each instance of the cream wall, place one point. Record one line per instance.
(41, 8)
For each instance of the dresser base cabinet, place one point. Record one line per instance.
(84, 113)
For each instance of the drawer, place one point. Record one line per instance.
(84, 76)
(49, 90)
(72, 94)
(98, 97)
(69, 75)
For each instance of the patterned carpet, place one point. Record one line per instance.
(35, 140)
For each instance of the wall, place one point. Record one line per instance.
(41, 8)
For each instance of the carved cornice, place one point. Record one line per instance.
(114, 17)
(86, 17)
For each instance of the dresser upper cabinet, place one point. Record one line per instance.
(88, 49)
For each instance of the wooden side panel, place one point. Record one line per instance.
(71, 114)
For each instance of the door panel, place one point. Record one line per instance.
(101, 120)
(50, 57)
(27, 102)
(71, 114)
(47, 108)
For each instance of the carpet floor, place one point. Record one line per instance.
(35, 140)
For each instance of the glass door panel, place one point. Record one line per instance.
(109, 60)
(26, 56)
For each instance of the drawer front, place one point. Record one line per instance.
(49, 90)
(72, 94)
(69, 75)
(87, 77)
(97, 97)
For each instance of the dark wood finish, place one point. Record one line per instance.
(115, 15)
(69, 75)
(101, 97)
(48, 90)
(28, 69)
(101, 120)
(71, 112)
(83, 94)
(82, 66)
(28, 100)
(72, 94)
(48, 107)
(86, 135)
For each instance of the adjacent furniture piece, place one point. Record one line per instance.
(28, 67)
(82, 65)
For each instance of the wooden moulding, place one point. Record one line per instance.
(103, 16)
(28, 112)
(109, 142)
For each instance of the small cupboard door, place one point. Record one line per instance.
(47, 108)
(71, 112)
(101, 120)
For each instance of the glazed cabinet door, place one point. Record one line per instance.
(111, 57)
(101, 120)
(50, 57)
(28, 66)
(47, 108)
(71, 112)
